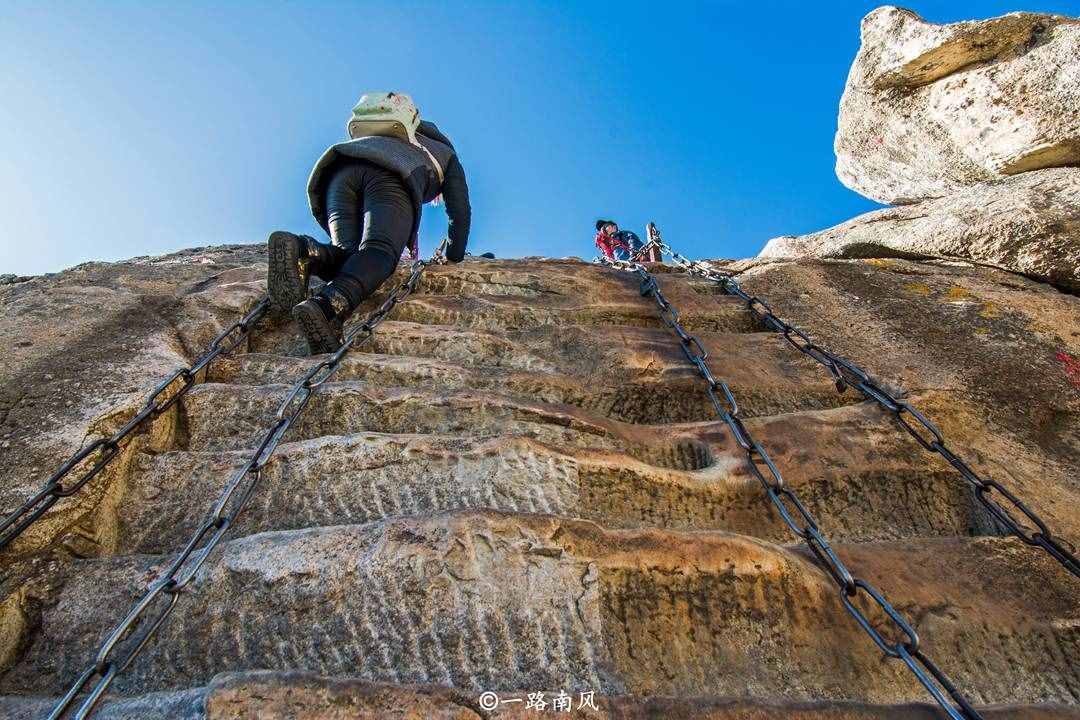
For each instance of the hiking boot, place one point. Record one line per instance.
(322, 319)
(292, 260)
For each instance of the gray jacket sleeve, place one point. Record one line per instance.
(428, 128)
(455, 192)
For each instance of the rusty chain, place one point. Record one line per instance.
(847, 374)
(161, 398)
(905, 646)
(135, 630)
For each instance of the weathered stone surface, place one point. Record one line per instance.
(1028, 224)
(267, 695)
(504, 601)
(82, 348)
(179, 705)
(998, 344)
(625, 373)
(519, 486)
(929, 109)
(880, 488)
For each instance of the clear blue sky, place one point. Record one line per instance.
(133, 128)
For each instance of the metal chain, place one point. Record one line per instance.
(795, 514)
(644, 253)
(103, 450)
(226, 509)
(847, 374)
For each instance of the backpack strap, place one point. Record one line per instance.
(438, 167)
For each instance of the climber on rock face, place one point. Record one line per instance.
(606, 241)
(616, 244)
(366, 193)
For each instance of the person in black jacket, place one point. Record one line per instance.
(367, 195)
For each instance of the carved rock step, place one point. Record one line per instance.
(488, 601)
(269, 695)
(568, 292)
(585, 352)
(713, 314)
(650, 388)
(228, 417)
(513, 278)
(565, 294)
(861, 477)
(218, 416)
(565, 281)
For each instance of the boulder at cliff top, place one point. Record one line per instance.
(929, 109)
(1028, 224)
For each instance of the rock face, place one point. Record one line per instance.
(1029, 224)
(520, 486)
(929, 110)
(82, 348)
(968, 128)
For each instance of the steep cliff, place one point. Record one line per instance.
(521, 486)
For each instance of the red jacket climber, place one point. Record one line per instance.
(610, 242)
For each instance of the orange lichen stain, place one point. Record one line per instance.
(882, 263)
(989, 310)
(919, 288)
(981, 330)
(1037, 326)
(959, 294)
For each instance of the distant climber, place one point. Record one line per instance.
(616, 244)
(367, 194)
(608, 244)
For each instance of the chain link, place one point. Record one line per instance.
(129, 637)
(103, 450)
(852, 590)
(1028, 527)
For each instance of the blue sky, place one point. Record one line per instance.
(134, 128)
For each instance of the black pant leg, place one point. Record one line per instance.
(333, 258)
(370, 213)
(345, 208)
